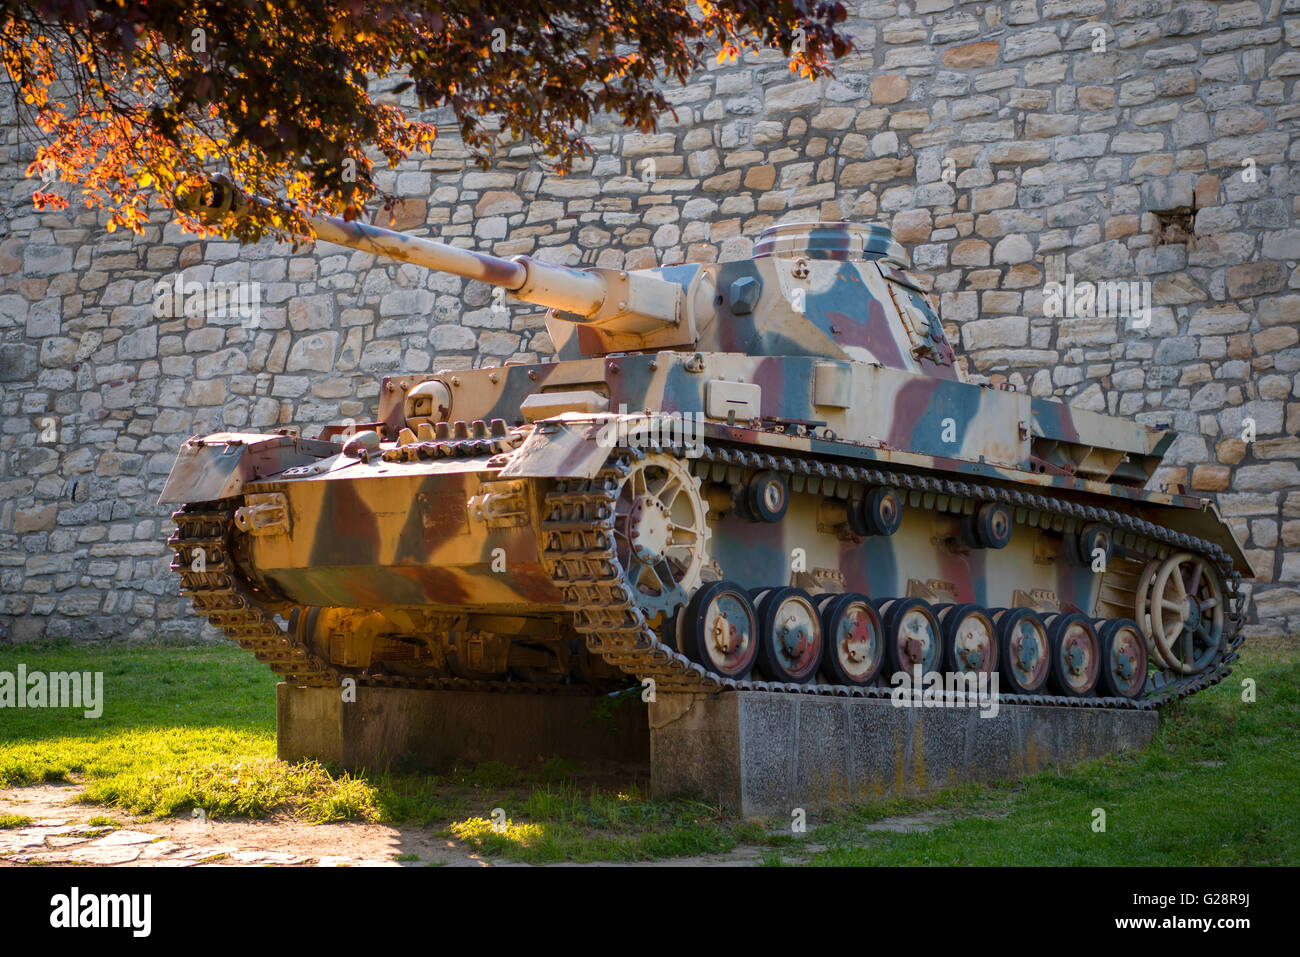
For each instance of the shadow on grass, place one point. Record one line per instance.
(194, 727)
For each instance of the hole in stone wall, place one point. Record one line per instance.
(1174, 226)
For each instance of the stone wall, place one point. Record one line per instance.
(1002, 143)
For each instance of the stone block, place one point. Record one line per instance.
(384, 725)
(764, 753)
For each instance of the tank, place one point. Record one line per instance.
(763, 474)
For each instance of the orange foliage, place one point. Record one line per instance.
(140, 102)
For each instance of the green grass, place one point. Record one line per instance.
(1217, 787)
(194, 727)
(182, 727)
(187, 727)
(565, 824)
(14, 820)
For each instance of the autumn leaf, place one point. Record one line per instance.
(280, 97)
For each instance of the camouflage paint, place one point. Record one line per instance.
(860, 373)
(841, 241)
(213, 467)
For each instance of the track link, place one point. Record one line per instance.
(201, 556)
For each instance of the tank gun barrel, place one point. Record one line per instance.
(573, 291)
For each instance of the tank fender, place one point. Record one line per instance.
(1205, 522)
(218, 466)
(569, 445)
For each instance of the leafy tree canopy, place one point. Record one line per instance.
(295, 97)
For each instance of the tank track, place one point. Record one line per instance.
(579, 554)
(223, 596)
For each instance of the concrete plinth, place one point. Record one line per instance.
(442, 727)
(759, 753)
(764, 753)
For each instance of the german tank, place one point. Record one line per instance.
(769, 473)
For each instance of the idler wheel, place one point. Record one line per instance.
(790, 636)
(912, 636)
(1076, 654)
(882, 511)
(720, 629)
(1024, 652)
(1142, 605)
(1186, 605)
(970, 641)
(767, 496)
(1123, 659)
(854, 639)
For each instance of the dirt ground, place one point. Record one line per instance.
(61, 833)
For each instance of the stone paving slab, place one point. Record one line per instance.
(61, 833)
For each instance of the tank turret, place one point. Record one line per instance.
(834, 290)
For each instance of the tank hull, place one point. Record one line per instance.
(399, 535)
(346, 545)
(402, 534)
(462, 548)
